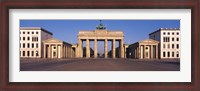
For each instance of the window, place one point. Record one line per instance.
(23, 32)
(32, 32)
(20, 32)
(20, 53)
(23, 53)
(28, 38)
(28, 45)
(27, 32)
(172, 46)
(166, 39)
(23, 38)
(163, 39)
(168, 54)
(163, 54)
(34, 38)
(20, 45)
(177, 33)
(32, 53)
(163, 33)
(36, 45)
(177, 55)
(177, 46)
(177, 39)
(32, 45)
(54, 53)
(172, 33)
(20, 38)
(172, 54)
(168, 33)
(163, 46)
(36, 53)
(23, 45)
(54, 47)
(28, 53)
(168, 46)
(173, 39)
(36, 32)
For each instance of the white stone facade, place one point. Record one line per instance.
(169, 38)
(31, 41)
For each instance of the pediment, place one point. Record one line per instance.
(148, 41)
(52, 40)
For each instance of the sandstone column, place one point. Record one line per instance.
(87, 48)
(124, 51)
(44, 52)
(56, 51)
(152, 52)
(95, 48)
(68, 52)
(80, 49)
(122, 48)
(156, 51)
(144, 52)
(113, 48)
(106, 48)
(61, 51)
(50, 54)
(140, 52)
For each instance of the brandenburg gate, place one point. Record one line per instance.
(100, 34)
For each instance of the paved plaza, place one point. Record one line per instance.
(99, 64)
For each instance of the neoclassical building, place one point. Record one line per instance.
(145, 49)
(169, 42)
(31, 41)
(54, 48)
(100, 34)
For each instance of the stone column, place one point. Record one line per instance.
(56, 51)
(156, 51)
(124, 51)
(68, 52)
(144, 52)
(80, 48)
(44, 52)
(65, 51)
(138, 52)
(50, 52)
(122, 48)
(61, 51)
(152, 52)
(87, 48)
(141, 52)
(106, 48)
(95, 48)
(113, 48)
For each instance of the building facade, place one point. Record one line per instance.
(54, 48)
(31, 41)
(169, 42)
(145, 49)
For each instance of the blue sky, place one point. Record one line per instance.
(134, 30)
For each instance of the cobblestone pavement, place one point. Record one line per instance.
(99, 64)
